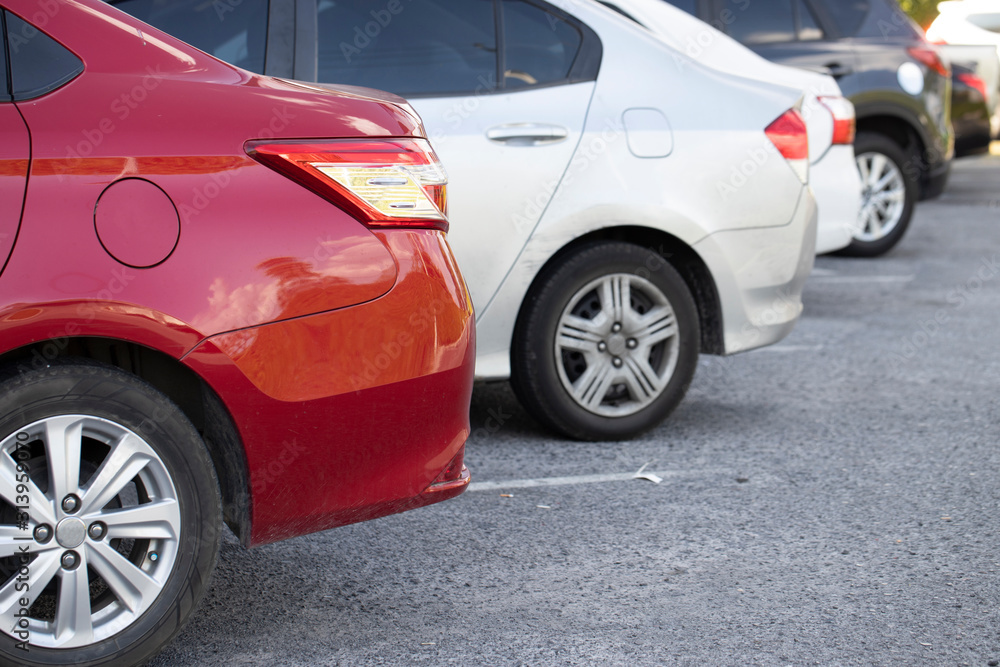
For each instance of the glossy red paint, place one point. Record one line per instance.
(344, 355)
(14, 151)
(349, 366)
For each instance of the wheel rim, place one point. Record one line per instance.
(103, 562)
(616, 345)
(883, 197)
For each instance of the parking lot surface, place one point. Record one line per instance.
(831, 500)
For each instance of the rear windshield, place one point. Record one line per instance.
(233, 31)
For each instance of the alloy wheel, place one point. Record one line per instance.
(616, 345)
(883, 196)
(91, 525)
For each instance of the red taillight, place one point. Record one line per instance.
(929, 56)
(844, 118)
(973, 81)
(381, 182)
(789, 136)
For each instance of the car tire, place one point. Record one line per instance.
(593, 370)
(889, 192)
(120, 552)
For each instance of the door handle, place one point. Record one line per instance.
(527, 134)
(837, 70)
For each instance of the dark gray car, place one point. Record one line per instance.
(899, 85)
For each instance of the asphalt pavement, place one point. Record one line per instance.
(831, 500)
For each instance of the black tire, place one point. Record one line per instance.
(169, 473)
(543, 378)
(867, 242)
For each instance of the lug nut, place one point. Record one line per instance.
(632, 343)
(70, 560)
(616, 327)
(97, 530)
(153, 556)
(70, 504)
(616, 362)
(43, 533)
(602, 347)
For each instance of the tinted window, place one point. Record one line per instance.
(759, 21)
(38, 63)
(539, 47)
(4, 89)
(880, 19)
(989, 22)
(690, 6)
(409, 47)
(808, 28)
(847, 16)
(231, 30)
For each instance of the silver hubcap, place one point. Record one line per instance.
(113, 550)
(883, 197)
(616, 345)
(70, 533)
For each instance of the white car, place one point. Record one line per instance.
(616, 207)
(614, 219)
(965, 28)
(829, 115)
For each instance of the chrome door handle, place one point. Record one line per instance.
(527, 134)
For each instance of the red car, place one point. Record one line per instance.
(224, 297)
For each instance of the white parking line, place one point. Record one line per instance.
(789, 348)
(582, 479)
(863, 279)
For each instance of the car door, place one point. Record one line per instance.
(503, 88)
(15, 153)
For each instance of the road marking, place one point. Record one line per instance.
(581, 479)
(789, 348)
(864, 279)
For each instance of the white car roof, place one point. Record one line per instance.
(968, 6)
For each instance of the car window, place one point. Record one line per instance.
(38, 63)
(847, 16)
(808, 27)
(689, 6)
(539, 47)
(989, 22)
(759, 21)
(410, 48)
(235, 32)
(4, 87)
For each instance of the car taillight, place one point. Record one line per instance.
(789, 136)
(381, 182)
(844, 118)
(973, 81)
(929, 56)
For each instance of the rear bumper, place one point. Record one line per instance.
(837, 186)
(356, 413)
(935, 181)
(759, 274)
